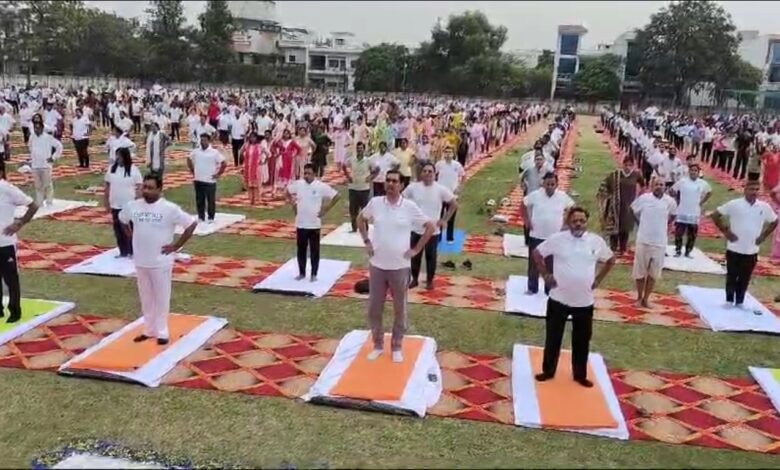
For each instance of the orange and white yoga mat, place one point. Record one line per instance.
(561, 403)
(118, 357)
(413, 385)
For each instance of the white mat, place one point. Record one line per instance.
(514, 246)
(516, 300)
(58, 308)
(152, 372)
(698, 263)
(107, 264)
(221, 221)
(59, 205)
(768, 383)
(525, 404)
(89, 460)
(343, 237)
(709, 304)
(422, 392)
(283, 279)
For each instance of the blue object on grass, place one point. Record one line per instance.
(454, 248)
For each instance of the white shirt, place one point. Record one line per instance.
(122, 187)
(154, 226)
(575, 261)
(308, 202)
(115, 143)
(238, 127)
(11, 197)
(668, 168)
(6, 123)
(153, 149)
(430, 200)
(383, 162)
(51, 118)
(42, 148)
(691, 193)
(81, 128)
(392, 225)
(746, 221)
(206, 163)
(653, 214)
(547, 211)
(175, 114)
(25, 116)
(201, 129)
(223, 123)
(263, 124)
(449, 174)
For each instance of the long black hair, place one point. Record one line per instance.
(123, 156)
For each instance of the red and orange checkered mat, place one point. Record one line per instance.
(706, 411)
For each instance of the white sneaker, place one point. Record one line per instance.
(374, 355)
(398, 356)
(742, 307)
(210, 222)
(728, 305)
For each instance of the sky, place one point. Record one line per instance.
(530, 25)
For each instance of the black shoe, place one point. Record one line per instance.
(13, 318)
(413, 284)
(543, 377)
(140, 338)
(449, 264)
(162, 341)
(584, 382)
(467, 264)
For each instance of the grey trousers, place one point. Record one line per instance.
(44, 188)
(379, 282)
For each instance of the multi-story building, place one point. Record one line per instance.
(763, 52)
(567, 57)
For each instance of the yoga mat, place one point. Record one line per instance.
(517, 301)
(283, 279)
(221, 221)
(709, 304)
(58, 205)
(514, 246)
(697, 263)
(104, 264)
(454, 248)
(769, 380)
(381, 379)
(35, 312)
(343, 237)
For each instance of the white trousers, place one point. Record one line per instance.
(44, 188)
(154, 290)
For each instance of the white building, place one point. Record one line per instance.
(327, 62)
(567, 60)
(763, 52)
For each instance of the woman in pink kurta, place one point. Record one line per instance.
(775, 255)
(341, 142)
(289, 150)
(770, 160)
(252, 156)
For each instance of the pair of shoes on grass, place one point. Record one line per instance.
(449, 264)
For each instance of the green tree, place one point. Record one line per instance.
(686, 44)
(214, 40)
(383, 67)
(169, 46)
(597, 78)
(546, 59)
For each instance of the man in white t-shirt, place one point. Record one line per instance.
(431, 197)
(394, 218)
(750, 222)
(450, 174)
(151, 223)
(307, 197)
(175, 114)
(691, 192)
(381, 162)
(654, 211)
(206, 165)
(575, 252)
(11, 197)
(357, 170)
(544, 212)
(6, 126)
(80, 129)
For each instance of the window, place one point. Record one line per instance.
(632, 60)
(569, 44)
(291, 59)
(774, 74)
(333, 63)
(339, 41)
(774, 57)
(567, 66)
(317, 62)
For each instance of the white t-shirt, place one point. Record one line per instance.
(429, 199)
(449, 174)
(547, 211)
(653, 214)
(81, 128)
(691, 193)
(238, 127)
(308, 201)
(206, 163)
(384, 162)
(575, 261)
(122, 187)
(11, 197)
(392, 225)
(264, 123)
(223, 123)
(154, 226)
(746, 221)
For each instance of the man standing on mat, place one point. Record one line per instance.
(431, 197)
(750, 222)
(576, 253)
(381, 162)
(654, 211)
(306, 196)
(544, 212)
(691, 192)
(206, 165)
(151, 223)
(11, 197)
(357, 169)
(44, 150)
(394, 217)
(450, 174)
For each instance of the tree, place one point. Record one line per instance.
(684, 46)
(546, 59)
(169, 47)
(597, 78)
(382, 68)
(214, 39)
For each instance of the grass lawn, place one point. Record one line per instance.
(42, 411)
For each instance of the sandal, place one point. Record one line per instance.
(467, 265)
(449, 264)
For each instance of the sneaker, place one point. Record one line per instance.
(467, 264)
(677, 254)
(449, 264)
(374, 355)
(140, 338)
(728, 305)
(210, 222)
(398, 357)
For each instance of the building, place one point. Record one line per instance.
(567, 58)
(325, 62)
(763, 52)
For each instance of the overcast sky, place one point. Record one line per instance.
(531, 25)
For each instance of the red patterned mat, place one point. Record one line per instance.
(269, 228)
(724, 413)
(171, 180)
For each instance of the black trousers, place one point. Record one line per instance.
(680, 229)
(725, 160)
(123, 242)
(205, 199)
(9, 274)
(582, 330)
(175, 128)
(136, 124)
(619, 242)
(533, 271)
(236, 144)
(379, 189)
(26, 133)
(450, 232)
(695, 147)
(308, 239)
(357, 201)
(706, 151)
(82, 151)
(739, 269)
(740, 165)
(431, 251)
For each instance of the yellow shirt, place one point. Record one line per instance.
(405, 157)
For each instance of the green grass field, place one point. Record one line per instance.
(42, 411)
